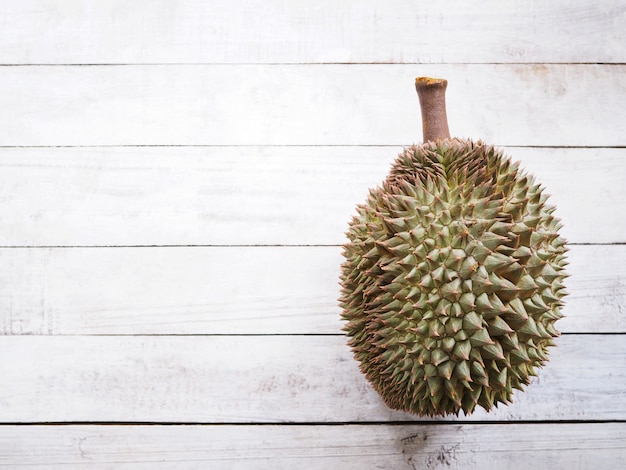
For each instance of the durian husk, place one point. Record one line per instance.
(452, 279)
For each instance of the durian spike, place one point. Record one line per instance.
(432, 97)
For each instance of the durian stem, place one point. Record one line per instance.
(432, 96)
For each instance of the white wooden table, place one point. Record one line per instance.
(176, 178)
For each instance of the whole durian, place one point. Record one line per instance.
(453, 274)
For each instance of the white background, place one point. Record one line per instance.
(176, 178)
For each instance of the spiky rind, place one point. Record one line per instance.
(452, 279)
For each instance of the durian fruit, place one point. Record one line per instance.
(453, 274)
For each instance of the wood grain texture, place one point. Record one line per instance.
(300, 31)
(254, 195)
(263, 122)
(263, 379)
(234, 290)
(401, 447)
(529, 105)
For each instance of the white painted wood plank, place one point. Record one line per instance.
(301, 31)
(234, 290)
(535, 104)
(247, 379)
(488, 447)
(238, 290)
(597, 286)
(254, 195)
